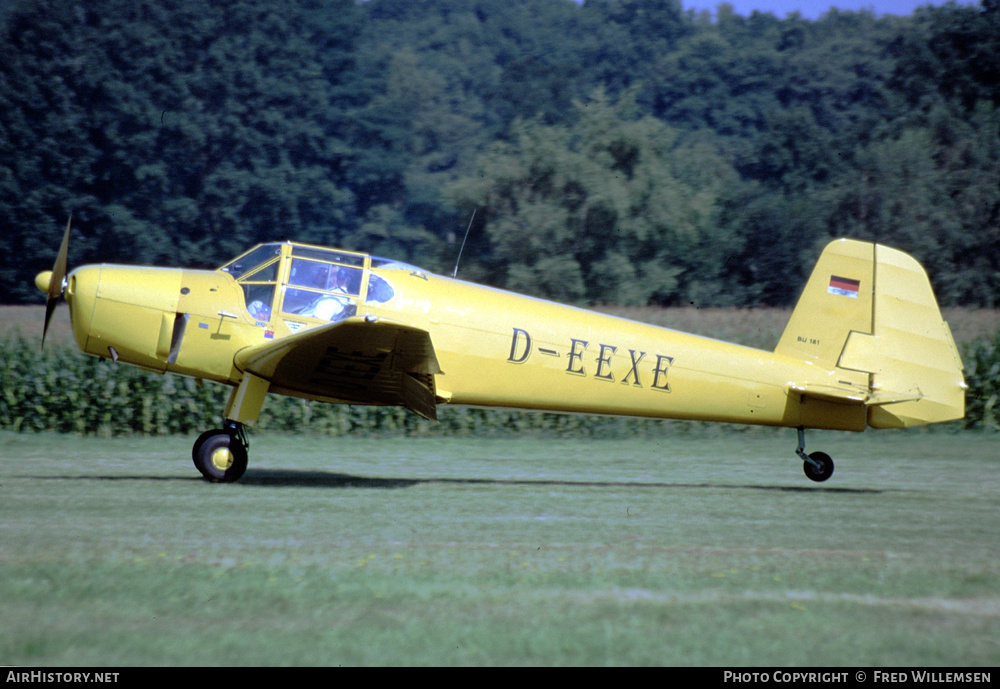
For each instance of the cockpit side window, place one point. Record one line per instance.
(259, 299)
(325, 276)
(380, 290)
(327, 291)
(258, 290)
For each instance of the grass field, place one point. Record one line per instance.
(706, 547)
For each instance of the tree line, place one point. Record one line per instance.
(613, 151)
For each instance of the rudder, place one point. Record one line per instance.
(915, 366)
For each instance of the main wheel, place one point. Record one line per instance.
(821, 472)
(219, 456)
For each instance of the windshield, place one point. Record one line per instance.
(249, 261)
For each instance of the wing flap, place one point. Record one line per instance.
(355, 361)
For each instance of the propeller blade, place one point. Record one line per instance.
(56, 280)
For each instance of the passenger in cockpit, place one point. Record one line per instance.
(259, 310)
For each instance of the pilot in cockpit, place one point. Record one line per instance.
(330, 307)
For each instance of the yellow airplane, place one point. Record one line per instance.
(865, 345)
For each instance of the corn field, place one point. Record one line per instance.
(60, 389)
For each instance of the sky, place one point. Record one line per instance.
(813, 9)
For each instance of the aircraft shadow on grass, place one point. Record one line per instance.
(291, 478)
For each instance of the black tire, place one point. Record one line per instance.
(823, 471)
(198, 443)
(219, 457)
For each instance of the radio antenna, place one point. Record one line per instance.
(454, 273)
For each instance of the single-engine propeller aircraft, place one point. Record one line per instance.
(865, 345)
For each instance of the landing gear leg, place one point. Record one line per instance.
(221, 454)
(818, 466)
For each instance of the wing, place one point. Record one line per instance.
(356, 360)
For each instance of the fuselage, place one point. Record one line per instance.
(495, 348)
(501, 349)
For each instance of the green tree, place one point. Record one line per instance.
(180, 131)
(933, 189)
(950, 51)
(611, 209)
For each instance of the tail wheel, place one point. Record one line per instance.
(820, 468)
(220, 456)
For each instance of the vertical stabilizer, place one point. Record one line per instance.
(868, 313)
(836, 301)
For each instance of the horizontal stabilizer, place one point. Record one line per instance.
(829, 393)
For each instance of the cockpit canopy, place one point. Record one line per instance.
(304, 283)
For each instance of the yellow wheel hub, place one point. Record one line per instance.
(222, 458)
